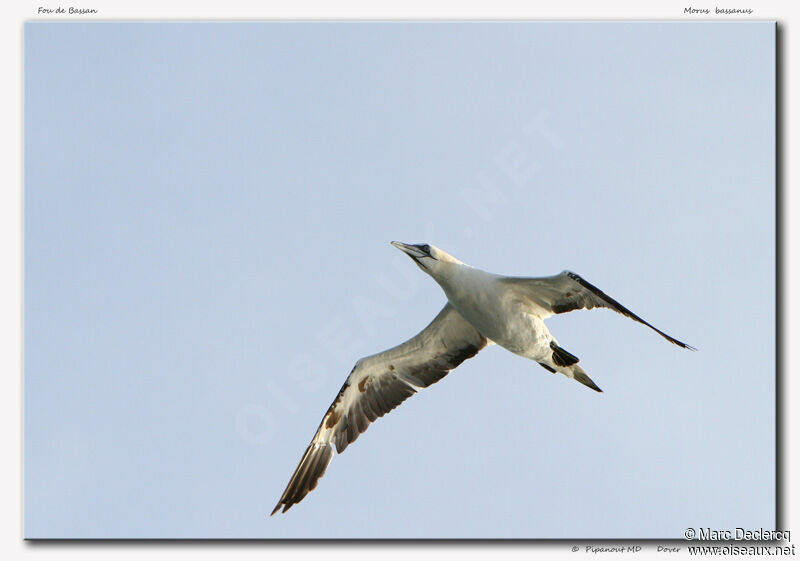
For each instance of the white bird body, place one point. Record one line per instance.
(482, 308)
(485, 302)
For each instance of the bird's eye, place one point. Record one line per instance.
(427, 249)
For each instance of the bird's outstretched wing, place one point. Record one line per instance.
(566, 292)
(378, 384)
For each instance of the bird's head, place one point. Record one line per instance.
(429, 258)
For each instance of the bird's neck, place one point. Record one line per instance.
(459, 276)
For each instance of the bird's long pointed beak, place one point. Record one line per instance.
(410, 250)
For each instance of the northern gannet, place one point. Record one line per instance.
(482, 308)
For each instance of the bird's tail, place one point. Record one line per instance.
(577, 373)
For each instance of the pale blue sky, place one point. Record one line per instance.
(208, 211)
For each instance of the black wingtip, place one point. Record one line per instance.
(285, 506)
(681, 344)
(617, 307)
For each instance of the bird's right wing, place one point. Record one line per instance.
(378, 384)
(568, 291)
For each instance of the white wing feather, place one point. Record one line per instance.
(376, 385)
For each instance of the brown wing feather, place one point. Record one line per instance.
(376, 385)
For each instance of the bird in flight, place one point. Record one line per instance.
(482, 308)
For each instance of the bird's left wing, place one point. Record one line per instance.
(378, 384)
(568, 291)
